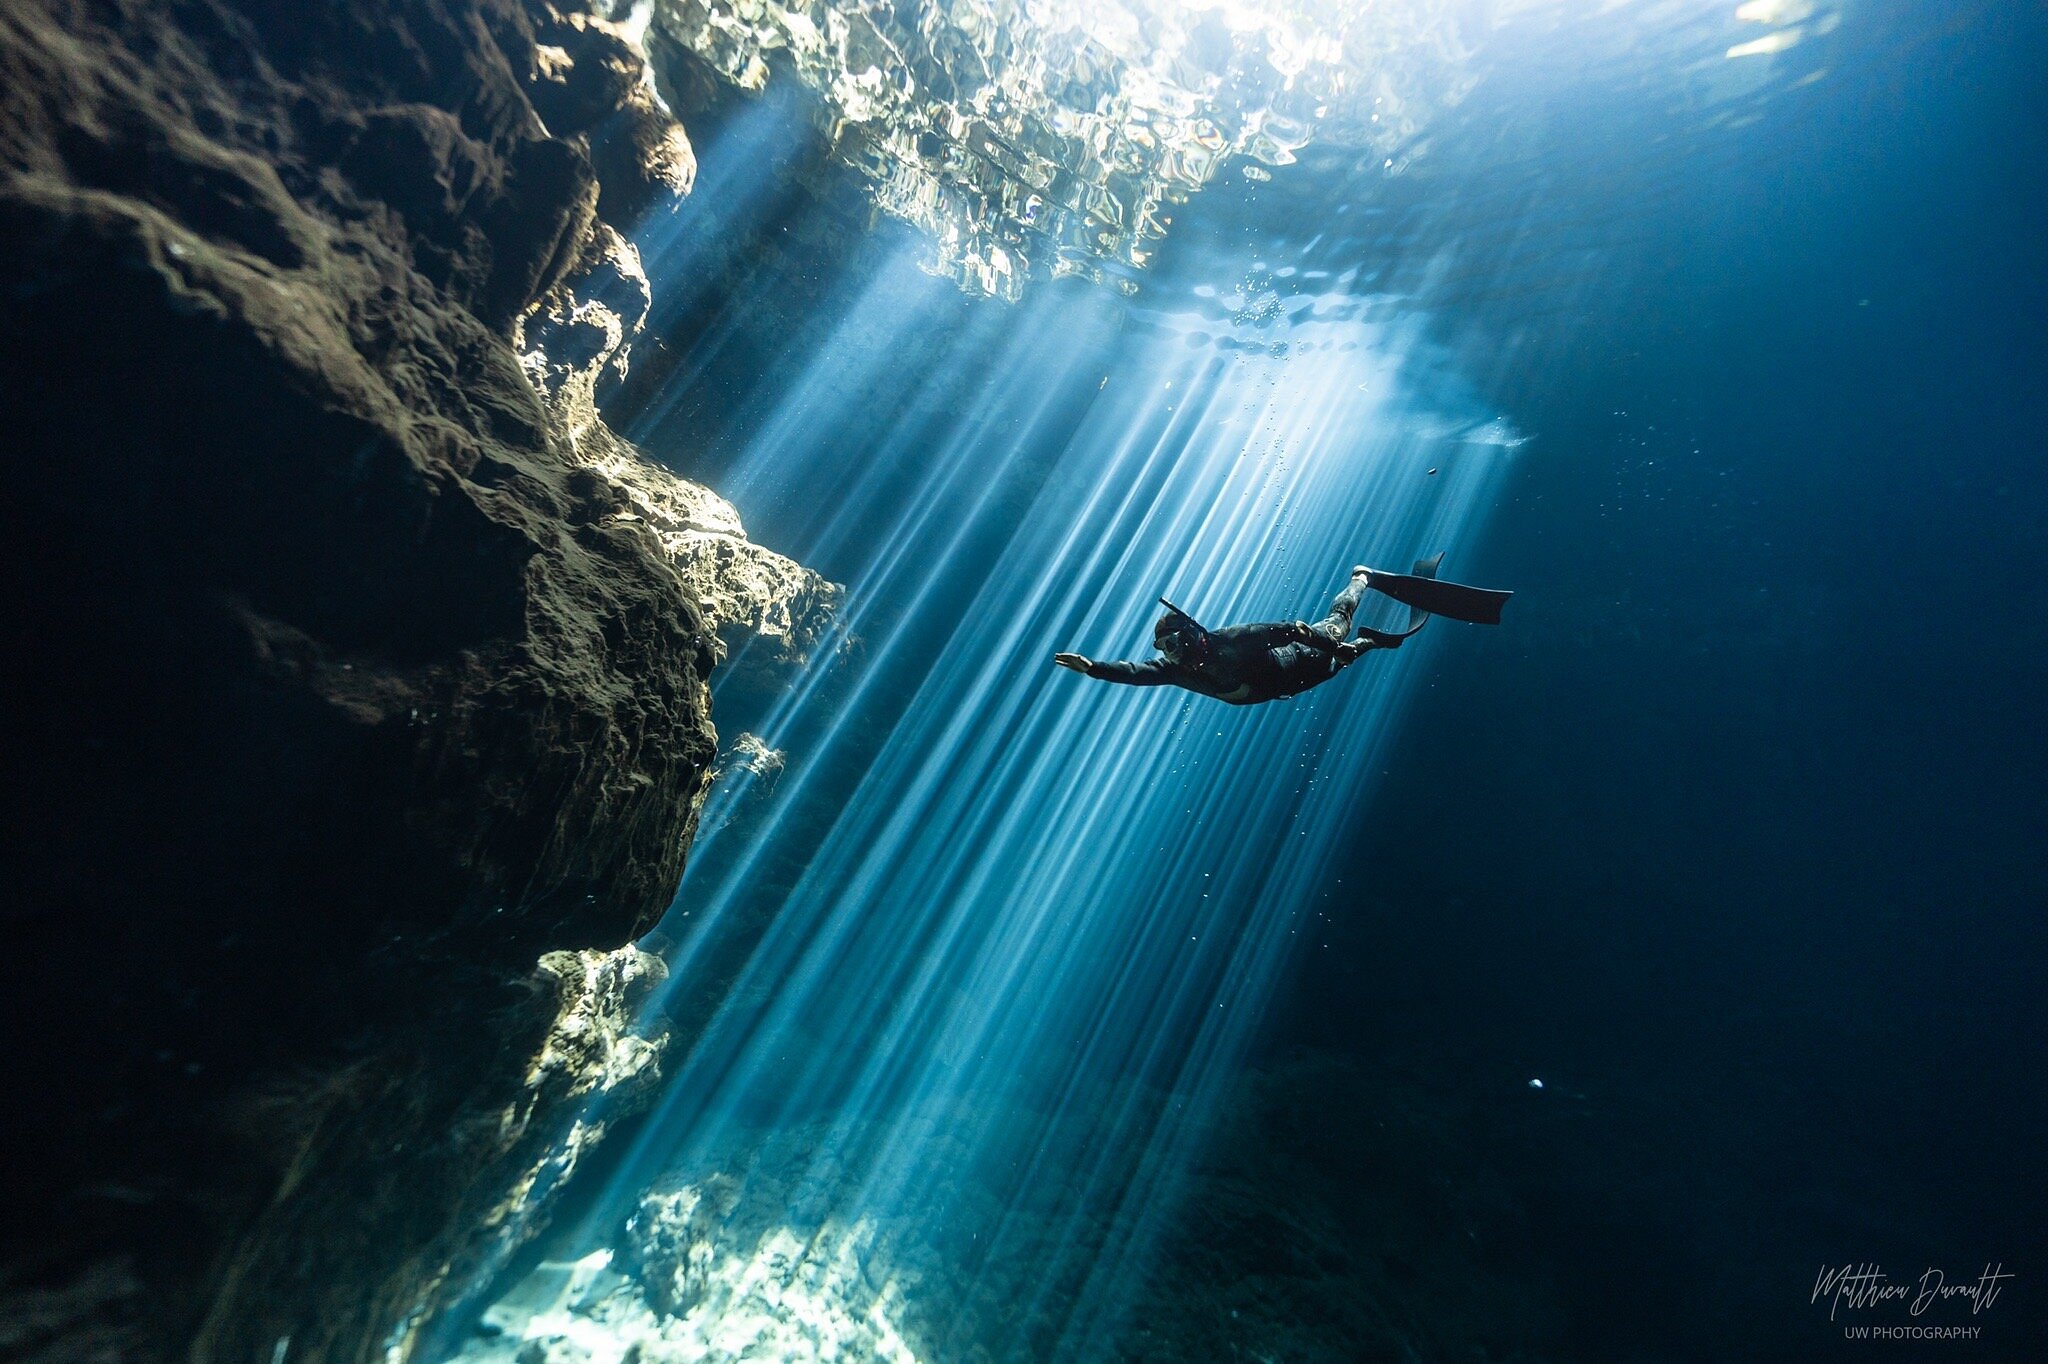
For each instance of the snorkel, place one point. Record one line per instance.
(1180, 636)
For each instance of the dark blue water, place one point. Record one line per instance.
(1735, 839)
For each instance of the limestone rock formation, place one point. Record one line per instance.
(578, 342)
(349, 682)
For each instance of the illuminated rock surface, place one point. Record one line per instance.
(686, 1289)
(577, 344)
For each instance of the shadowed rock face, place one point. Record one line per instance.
(347, 681)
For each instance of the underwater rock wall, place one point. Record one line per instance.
(360, 709)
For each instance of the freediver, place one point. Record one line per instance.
(1248, 664)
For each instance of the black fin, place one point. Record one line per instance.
(1424, 568)
(1392, 639)
(1417, 617)
(1422, 592)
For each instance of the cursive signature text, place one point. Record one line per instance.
(1856, 1287)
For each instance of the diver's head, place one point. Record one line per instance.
(1175, 635)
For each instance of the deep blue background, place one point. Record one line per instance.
(1734, 835)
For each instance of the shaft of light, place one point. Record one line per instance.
(1005, 994)
(997, 1006)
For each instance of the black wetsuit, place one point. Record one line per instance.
(1247, 664)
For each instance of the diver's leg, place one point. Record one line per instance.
(1337, 625)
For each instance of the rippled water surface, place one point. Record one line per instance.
(1046, 139)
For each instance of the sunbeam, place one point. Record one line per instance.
(971, 1042)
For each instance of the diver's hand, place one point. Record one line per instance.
(1075, 661)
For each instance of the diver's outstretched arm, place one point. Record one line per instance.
(1156, 672)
